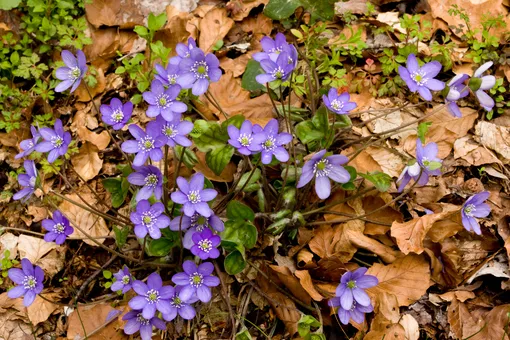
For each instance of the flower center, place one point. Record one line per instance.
(125, 279)
(146, 144)
(276, 50)
(152, 296)
(117, 116)
(163, 100)
(198, 222)
(205, 245)
(57, 141)
(58, 228)
(351, 284)
(176, 302)
(29, 282)
(419, 77)
(170, 131)
(33, 181)
(151, 180)
(194, 196)
(278, 73)
(322, 168)
(425, 161)
(269, 144)
(469, 210)
(196, 279)
(143, 321)
(148, 220)
(172, 78)
(337, 104)
(75, 73)
(244, 140)
(200, 69)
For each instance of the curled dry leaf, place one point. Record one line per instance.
(461, 321)
(390, 163)
(33, 248)
(87, 162)
(241, 9)
(213, 28)
(411, 327)
(407, 278)
(40, 310)
(100, 140)
(9, 241)
(286, 277)
(494, 137)
(306, 282)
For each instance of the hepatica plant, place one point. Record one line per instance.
(195, 195)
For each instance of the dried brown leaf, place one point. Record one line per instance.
(34, 248)
(461, 321)
(494, 137)
(92, 318)
(40, 310)
(286, 276)
(87, 162)
(241, 9)
(306, 282)
(100, 140)
(213, 28)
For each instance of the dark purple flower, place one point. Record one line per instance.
(116, 114)
(323, 169)
(272, 143)
(196, 281)
(136, 322)
(149, 219)
(193, 196)
(28, 145)
(339, 104)
(352, 288)
(247, 139)
(124, 280)
(480, 84)
(205, 244)
(474, 207)
(183, 51)
(356, 312)
(456, 90)
(163, 101)
(146, 144)
(71, 74)
(29, 280)
(426, 163)
(174, 130)
(168, 76)
(27, 180)
(151, 296)
(58, 227)
(181, 307)
(279, 69)
(421, 79)
(56, 141)
(198, 71)
(273, 48)
(196, 223)
(150, 179)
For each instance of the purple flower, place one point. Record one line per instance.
(198, 71)
(163, 101)
(149, 219)
(272, 143)
(273, 48)
(196, 223)
(356, 312)
(175, 130)
(58, 227)
(146, 144)
(116, 114)
(151, 296)
(456, 91)
(28, 145)
(183, 51)
(196, 281)
(181, 307)
(246, 140)
(479, 84)
(205, 244)
(339, 104)
(193, 196)
(151, 180)
(474, 207)
(324, 169)
(279, 69)
(71, 74)
(351, 288)
(426, 163)
(421, 79)
(168, 76)
(124, 280)
(28, 180)
(136, 322)
(55, 141)
(29, 280)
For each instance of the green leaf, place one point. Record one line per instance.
(218, 159)
(236, 120)
(281, 9)
(156, 22)
(434, 165)
(320, 120)
(163, 246)
(319, 9)
(121, 235)
(252, 183)
(234, 263)
(189, 158)
(9, 4)
(244, 335)
(218, 45)
(305, 323)
(238, 211)
(422, 130)
(380, 180)
(208, 135)
(248, 81)
(142, 31)
(240, 232)
(107, 274)
(117, 189)
(307, 132)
